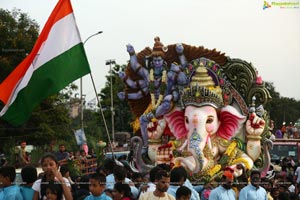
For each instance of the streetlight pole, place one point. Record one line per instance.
(110, 62)
(81, 90)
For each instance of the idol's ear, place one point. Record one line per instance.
(230, 122)
(176, 123)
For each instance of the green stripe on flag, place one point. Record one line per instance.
(47, 80)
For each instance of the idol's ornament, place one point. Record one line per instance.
(196, 108)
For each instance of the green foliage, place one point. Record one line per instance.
(74, 168)
(36, 155)
(10, 151)
(281, 108)
(18, 34)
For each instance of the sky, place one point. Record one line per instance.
(267, 38)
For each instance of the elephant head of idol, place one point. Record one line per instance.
(205, 118)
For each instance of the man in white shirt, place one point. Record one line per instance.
(253, 191)
(162, 180)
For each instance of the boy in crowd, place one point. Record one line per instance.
(97, 187)
(29, 176)
(9, 190)
(183, 193)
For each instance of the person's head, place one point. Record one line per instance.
(97, 184)
(54, 191)
(162, 181)
(165, 167)
(267, 184)
(282, 188)
(255, 178)
(137, 178)
(62, 147)
(275, 193)
(227, 178)
(64, 170)
(183, 193)
(101, 170)
(82, 153)
(153, 172)
(29, 174)
(49, 165)
(23, 145)
(158, 53)
(178, 175)
(121, 190)
(109, 165)
(7, 175)
(120, 173)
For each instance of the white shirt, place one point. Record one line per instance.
(297, 173)
(151, 196)
(37, 186)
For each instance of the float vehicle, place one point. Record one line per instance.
(196, 108)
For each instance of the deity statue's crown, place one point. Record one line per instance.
(159, 49)
(202, 90)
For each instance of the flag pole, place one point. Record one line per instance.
(103, 117)
(98, 101)
(81, 85)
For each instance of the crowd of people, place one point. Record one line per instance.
(116, 180)
(287, 132)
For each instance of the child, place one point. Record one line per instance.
(29, 176)
(65, 172)
(122, 191)
(54, 191)
(183, 193)
(97, 187)
(51, 173)
(9, 190)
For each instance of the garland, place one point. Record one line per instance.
(241, 160)
(163, 87)
(230, 148)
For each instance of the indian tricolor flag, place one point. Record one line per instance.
(57, 59)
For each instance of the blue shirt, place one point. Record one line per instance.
(172, 190)
(195, 194)
(110, 182)
(27, 192)
(252, 193)
(61, 155)
(103, 196)
(220, 193)
(11, 192)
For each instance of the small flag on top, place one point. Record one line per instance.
(57, 59)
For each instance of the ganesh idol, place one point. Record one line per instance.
(206, 111)
(208, 129)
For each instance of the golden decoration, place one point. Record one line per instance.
(241, 160)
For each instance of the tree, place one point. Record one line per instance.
(282, 109)
(18, 34)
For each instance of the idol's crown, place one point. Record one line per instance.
(202, 90)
